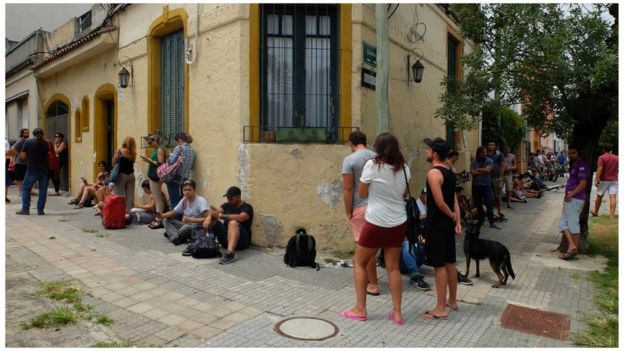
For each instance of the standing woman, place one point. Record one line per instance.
(62, 154)
(54, 169)
(184, 149)
(157, 158)
(126, 157)
(385, 185)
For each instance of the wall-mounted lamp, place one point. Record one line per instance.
(125, 75)
(416, 70)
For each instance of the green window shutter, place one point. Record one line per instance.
(172, 85)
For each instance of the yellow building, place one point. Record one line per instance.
(269, 93)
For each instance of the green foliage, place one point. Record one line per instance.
(610, 134)
(58, 316)
(104, 320)
(511, 129)
(558, 60)
(113, 344)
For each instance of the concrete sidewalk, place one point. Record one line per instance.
(158, 297)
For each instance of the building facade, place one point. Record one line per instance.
(269, 93)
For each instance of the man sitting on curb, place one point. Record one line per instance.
(235, 231)
(193, 208)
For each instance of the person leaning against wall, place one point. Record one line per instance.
(126, 156)
(158, 157)
(184, 149)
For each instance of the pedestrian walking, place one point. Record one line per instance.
(7, 179)
(62, 154)
(184, 149)
(573, 202)
(35, 152)
(481, 168)
(355, 206)
(126, 155)
(384, 182)
(607, 179)
(443, 224)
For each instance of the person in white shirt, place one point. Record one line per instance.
(384, 182)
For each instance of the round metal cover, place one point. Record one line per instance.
(306, 328)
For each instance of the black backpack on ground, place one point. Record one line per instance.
(203, 244)
(301, 250)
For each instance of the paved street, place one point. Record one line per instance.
(158, 297)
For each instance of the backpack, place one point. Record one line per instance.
(301, 250)
(53, 164)
(413, 217)
(114, 212)
(204, 244)
(167, 172)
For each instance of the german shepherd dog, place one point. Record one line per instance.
(479, 249)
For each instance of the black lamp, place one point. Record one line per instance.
(124, 77)
(417, 71)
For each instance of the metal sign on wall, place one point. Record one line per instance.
(368, 78)
(370, 54)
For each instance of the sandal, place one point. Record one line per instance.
(568, 255)
(155, 225)
(349, 315)
(430, 316)
(593, 213)
(397, 322)
(73, 202)
(78, 206)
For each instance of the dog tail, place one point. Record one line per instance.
(508, 265)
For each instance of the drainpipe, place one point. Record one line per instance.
(190, 53)
(383, 68)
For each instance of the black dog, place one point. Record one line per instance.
(479, 249)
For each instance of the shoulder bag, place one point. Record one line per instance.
(413, 217)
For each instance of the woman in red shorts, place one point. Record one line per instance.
(385, 185)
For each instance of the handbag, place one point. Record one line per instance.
(167, 172)
(115, 175)
(152, 173)
(413, 217)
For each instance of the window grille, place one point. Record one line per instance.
(299, 62)
(172, 86)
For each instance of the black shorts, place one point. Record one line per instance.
(20, 172)
(440, 245)
(220, 231)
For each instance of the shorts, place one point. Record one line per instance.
(244, 240)
(508, 180)
(496, 187)
(375, 237)
(612, 186)
(20, 172)
(570, 216)
(357, 222)
(440, 246)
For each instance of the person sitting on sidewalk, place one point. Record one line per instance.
(235, 231)
(193, 208)
(413, 261)
(144, 214)
(87, 191)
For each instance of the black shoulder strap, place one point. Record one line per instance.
(407, 182)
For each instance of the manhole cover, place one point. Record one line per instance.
(536, 322)
(306, 328)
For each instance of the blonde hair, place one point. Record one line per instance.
(129, 144)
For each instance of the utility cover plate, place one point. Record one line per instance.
(536, 322)
(306, 328)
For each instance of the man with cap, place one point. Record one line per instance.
(443, 224)
(35, 152)
(235, 231)
(481, 169)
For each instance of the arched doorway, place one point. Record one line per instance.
(105, 124)
(57, 121)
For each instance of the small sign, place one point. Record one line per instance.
(368, 78)
(370, 54)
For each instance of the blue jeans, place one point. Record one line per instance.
(174, 193)
(479, 193)
(414, 260)
(41, 177)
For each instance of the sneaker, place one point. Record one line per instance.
(419, 283)
(25, 213)
(492, 225)
(186, 252)
(462, 279)
(40, 212)
(228, 257)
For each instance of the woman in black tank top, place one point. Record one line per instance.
(126, 156)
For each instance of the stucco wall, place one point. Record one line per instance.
(74, 83)
(17, 83)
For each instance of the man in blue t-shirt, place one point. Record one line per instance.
(481, 169)
(498, 169)
(35, 152)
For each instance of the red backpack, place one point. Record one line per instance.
(114, 212)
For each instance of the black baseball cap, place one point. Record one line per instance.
(438, 145)
(232, 191)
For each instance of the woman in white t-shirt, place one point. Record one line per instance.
(384, 182)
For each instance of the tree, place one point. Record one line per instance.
(504, 125)
(559, 60)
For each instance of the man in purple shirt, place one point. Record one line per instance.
(573, 202)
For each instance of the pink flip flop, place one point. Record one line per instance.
(398, 323)
(349, 315)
